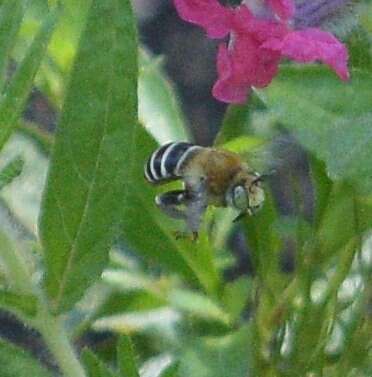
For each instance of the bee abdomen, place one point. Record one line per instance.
(167, 161)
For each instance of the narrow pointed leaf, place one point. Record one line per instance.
(17, 91)
(264, 243)
(222, 356)
(15, 362)
(92, 154)
(359, 45)
(11, 171)
(14, 265)
(126, 358)
(322, 188)
(158, 106)
(18, 303)
(94, 366)
(170, 371)
(11, 13)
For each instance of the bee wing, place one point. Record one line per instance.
(282, 152)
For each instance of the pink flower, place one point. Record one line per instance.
(258, 39)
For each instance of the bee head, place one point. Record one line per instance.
(246, 195)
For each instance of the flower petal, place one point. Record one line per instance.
(209, 14)
(227, 92)
(243, 65)
(251, 64)
(225, 89)
(310, 45)
(285, 9)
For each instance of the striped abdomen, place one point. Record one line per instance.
(167, 161)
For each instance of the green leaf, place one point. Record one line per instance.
(15, 362)
(322, 188)
(170, 371)
(335, 124)
(19, 303)
(356, 339)
(126, 358)
(24, 195)
(235, 296)
(15, 267)
(338, 223)
(17, 91)
(11, 13)
(161, 365)
(243, 144)
(360, 49)
(95, 367)
(345, 216)
(218, 356)
(263, 241)
(11, 171)
(198, 305)
(92, 156)
(161, 320)
(158, 107)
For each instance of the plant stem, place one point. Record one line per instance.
(280, 310)
(343, 268)
(56, 339)
(50, 327)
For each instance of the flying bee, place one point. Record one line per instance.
(210, 176)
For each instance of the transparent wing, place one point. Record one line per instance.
(268, 157)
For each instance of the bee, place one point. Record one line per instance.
(211, 177)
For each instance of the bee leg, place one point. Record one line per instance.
(169, 202)
(195, 211)
(196, 205)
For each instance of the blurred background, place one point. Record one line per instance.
(189, 60)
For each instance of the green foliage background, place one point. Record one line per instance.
(83, 248)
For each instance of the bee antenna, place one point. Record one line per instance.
(262, 177)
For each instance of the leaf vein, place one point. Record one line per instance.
(73, 251)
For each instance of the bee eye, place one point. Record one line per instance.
(240, 199)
